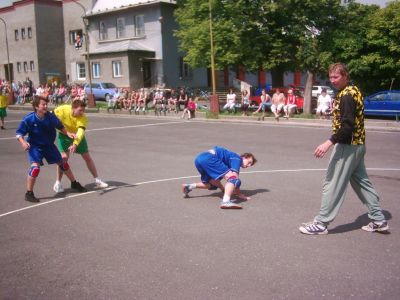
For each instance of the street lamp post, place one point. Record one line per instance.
(11, 96)
(91, 100)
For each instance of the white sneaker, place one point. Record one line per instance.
(101, 184)
(58, 188)
(229, 205)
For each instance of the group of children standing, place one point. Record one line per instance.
(40, 127)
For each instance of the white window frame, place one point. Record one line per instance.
(16, 34)
(117, 68)
(23, 33)
(139, 25)
(102, 31)
(25, 66)
(18, 67)
(32, 65)
(120, 27)
(73, 34)
(96, 70)
(81, 71)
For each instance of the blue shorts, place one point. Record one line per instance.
(210, 167)
(50, 153)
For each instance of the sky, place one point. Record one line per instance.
(381, 3)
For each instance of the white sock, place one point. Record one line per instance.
(192, 186)
(226, 198)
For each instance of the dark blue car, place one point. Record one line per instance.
(384, 103)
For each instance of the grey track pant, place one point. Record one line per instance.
(347, 165)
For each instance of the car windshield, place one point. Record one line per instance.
(109, 85)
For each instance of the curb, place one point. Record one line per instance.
(370, 124)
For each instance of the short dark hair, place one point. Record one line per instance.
(36, 101)
(249, 155)
(78, 103)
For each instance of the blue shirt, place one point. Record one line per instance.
(229, 158)
(41, 132)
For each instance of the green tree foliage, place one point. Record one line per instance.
(290, 35)
(374, 60)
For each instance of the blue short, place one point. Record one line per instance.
(210, 167)
(50, 153)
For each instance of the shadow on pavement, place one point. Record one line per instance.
(219, 194)
(358, 223)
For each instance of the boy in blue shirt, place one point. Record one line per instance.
(219, 163)
(40, 126)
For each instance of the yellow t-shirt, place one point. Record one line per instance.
(3, 101)
(72, 124)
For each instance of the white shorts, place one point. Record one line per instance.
(322, 109)
(276, 108)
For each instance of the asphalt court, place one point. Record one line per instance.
(139, 239)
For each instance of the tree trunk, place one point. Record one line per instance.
(277, 77)
(308, 101)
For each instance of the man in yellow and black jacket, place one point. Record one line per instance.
(347, 160)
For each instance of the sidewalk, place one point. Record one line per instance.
(370, 124)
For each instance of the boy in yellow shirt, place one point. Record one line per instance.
(74, 119)
(4, 92)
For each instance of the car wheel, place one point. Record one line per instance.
(107, 97)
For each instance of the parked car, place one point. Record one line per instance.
(317, 90)
(101, 90)
(383, 103)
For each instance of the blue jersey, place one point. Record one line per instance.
(231, 159)
(41, 132)
(216, 162)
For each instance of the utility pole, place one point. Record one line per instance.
(91, 100)
(214, 102)
(11, 96)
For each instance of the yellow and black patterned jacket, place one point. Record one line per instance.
(348, 117)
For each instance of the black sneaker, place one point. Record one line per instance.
(29, 196)
(376, 226)
(75, 185)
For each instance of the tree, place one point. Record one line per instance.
(378, 63)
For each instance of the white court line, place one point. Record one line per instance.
(119, 127)
(173, 179)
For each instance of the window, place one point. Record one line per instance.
(120, 28)
(29, 32)
(184, 69)
(19, 67)
(102, 31)
(80, 71)
(23, 33)
(73, 35)
(32, 65)
(394, 96)
(96, 70)
(16, 34)
(25, 66)
(117, 68)
(139, 25)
